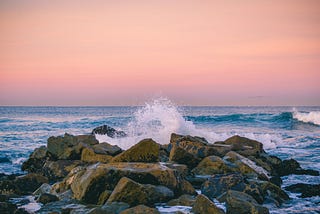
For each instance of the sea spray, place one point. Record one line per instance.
(307, 117)
(159, 118)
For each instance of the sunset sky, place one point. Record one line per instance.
(123, 52)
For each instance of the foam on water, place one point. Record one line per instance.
(159, 118)
(307, 117)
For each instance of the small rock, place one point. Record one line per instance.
(47, 198)
(44, 188)
(213, 165)
(183, 200)
(27, 184)
(306, 190)
(109, 131)
(107, 149)
(244, 146)
(110, 208)
(140, 209)
(205, 205)
(89, 155)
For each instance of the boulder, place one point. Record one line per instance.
(242, 203)
(106, 149)
(36, 160)
(110, 208)
(183, 200)
(306, 190)
(89, 155)
(246, 167)
(271, 190)
(244, 146)
(291, 166)
(109, 131)
(89, 183)
(56, 170)
(213, 165)
(216, 185)
(146, 150)
(140, 209)
(44, 188)
(27, 184)
(69, 147)
(133, 193)
(179, 155)
(47, 198)
(205, 205)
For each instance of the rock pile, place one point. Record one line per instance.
(77, 174)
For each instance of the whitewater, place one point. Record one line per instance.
(288, 132)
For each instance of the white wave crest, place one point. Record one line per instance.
(159, 118)
(310, 117)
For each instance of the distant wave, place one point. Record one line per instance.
(307, 117)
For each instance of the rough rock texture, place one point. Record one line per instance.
(7, 208)
(179, 155)
(110, 208)
(27, 184)
(36, 160)
(183, 200)
(242, 203)
(244, 146)
(140, 209)
(205, 205)
(146, 150)
(69, 147)
(273, 191)
(133, 193)
(44, 188)
(213, 165)
(109, 131)
(306, 190)
(59, 169)
(47, 198)
(89, 155)
(106, 149)
(88, 184)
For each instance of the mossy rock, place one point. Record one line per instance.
(89, 155)
(146, 150)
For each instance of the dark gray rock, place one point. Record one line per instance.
(109, 131)
(306, 190)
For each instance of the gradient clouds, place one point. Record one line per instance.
(195, 52)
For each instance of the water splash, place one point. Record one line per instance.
(307, 117)
(159, 118)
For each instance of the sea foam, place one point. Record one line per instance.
(159, 118)
(307, 117)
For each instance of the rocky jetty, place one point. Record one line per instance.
(77, 174)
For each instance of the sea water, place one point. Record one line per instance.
(288, 132)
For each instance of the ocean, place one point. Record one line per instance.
(287, 132)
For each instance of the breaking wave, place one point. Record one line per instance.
(307, 117)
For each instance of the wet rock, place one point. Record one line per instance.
(110, 208)
(242, 203)
(205, 205)
(185, 187)
(109, 131)
(182, 169)
(36, 160)
(8, 187)
(3, 198)
(218, 184)
(133, 193)
(106, 149)
(64, 207)
(88, 184)
(56, 170)
(179, 155)
(244, 146)
(69, 147)
(47, 198)
(89, 155)
(183, 200)
(21, 211)
(291, 166)
(27, 184)
(306, 190)
(140, 209)
(246, 167)
(271, 190)
(197, 146)
(7, 208)
(44, 188)
(146, 150)
(213, 165)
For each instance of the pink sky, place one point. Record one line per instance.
(124, 52)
